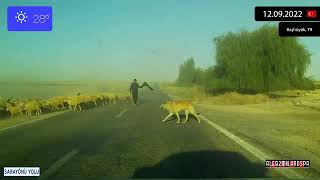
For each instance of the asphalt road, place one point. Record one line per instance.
(126, 141)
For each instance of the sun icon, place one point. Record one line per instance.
(21, 17)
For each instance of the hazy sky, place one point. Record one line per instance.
(126, 39)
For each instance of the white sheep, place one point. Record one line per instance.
(124, 97)
(87, 99)
(57, 103)
(111, 97)
(103, 99)
(14, 109)
(74, 102)
(33, 106)
(94, 99)
(2, 104)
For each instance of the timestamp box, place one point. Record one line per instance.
(287, 13)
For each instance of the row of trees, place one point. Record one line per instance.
(257, 61)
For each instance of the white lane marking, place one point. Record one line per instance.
(33, 121)
(290, 173)
(58, 164)
(121, 113)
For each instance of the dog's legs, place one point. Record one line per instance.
(170, 114)
(187, 113)
(192, 111)
(177, 114)
(195, 115)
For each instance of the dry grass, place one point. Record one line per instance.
(287, 97)
(237, 98)
(197, 94)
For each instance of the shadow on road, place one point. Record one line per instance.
(182, 116)
(203, 164)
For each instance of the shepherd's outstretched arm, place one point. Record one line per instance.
(146, 84)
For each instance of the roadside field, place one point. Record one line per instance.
(286, 127)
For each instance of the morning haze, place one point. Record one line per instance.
(122, 40)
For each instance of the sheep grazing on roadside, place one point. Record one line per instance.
(102, 99)
(2, 104)
(74, 103)
(16, 101)
(11, 100)
(57, 103)
(124, 97)
(33, 106)
(14, 110)
(94, 99)
(16, 105)
(44, 105)
(86, 99)
(111, 97)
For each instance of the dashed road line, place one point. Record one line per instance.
(290, 173)
(33, 121)
(58, 164)
(121, 113)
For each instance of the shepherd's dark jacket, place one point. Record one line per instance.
(134, 88)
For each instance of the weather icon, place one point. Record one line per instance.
(21, 16)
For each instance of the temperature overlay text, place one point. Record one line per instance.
(29, 18)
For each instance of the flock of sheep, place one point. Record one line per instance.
(30, 107)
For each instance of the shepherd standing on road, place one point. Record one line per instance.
(134, 88)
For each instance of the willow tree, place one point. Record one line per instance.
(261, 60)
(187, 72)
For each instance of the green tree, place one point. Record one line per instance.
(187, 73)
(261, 60)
